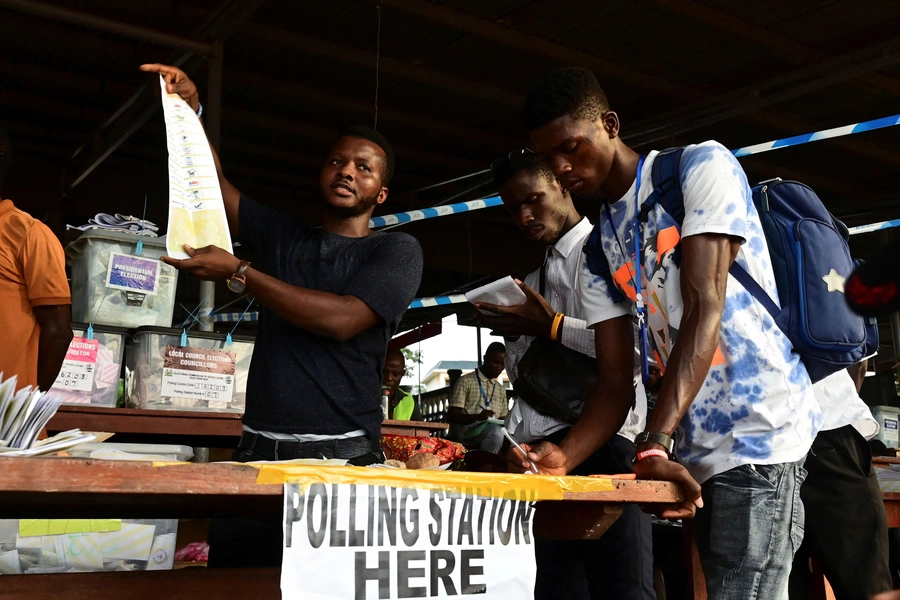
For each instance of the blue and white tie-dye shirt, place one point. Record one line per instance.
(757, 404)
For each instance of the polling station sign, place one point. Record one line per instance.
(373, 542)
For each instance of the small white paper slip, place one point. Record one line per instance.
(9, 563)
(132, 542)
(9, 530)
(162, 555)
(196, 210)
(28, 543)
(52, 552)
(82, 551)
(503, 292)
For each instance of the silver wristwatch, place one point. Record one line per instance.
(657, 438)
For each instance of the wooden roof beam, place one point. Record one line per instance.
(111, 26)
(390, 66)
(82, 85)
(366, 108)
(533, 44)
(284, 126)
(772, 91)
(221, 24)
(784, 48)
(536, 45)
(307, 160)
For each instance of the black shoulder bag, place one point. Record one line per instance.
(553, 379)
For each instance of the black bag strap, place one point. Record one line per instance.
(542, 284)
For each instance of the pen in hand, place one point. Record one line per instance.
(521, 450)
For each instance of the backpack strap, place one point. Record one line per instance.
(666, 178)
(756, 290)
(667, 193)
(598, 264)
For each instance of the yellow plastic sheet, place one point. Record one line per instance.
(497, 485)
(36, 527)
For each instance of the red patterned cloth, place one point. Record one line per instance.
(402, 447)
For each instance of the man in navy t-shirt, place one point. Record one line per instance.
(331, 296)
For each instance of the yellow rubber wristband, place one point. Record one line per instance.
(554, 328)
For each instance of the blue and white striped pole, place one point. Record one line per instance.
(825, 134)
(874, 227)
(745, 151)
(797, 140)
(438, 301)
(430, 213)
(460, 298)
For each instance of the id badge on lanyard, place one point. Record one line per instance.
(638, 265)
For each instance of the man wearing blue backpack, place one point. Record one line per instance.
(734, 389)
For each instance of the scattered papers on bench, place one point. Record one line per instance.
(23, 415)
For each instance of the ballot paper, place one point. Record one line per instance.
(196, 210)
(82, 551)
(132, 542)
(162, 554)
(503, 292)
(9, 563)
(119, 222)
(23, 415)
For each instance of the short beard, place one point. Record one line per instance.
(350, 212)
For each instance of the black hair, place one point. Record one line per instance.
(495, 348)
(572, 91)
(506, 167)
(5, 154)
(367, 133)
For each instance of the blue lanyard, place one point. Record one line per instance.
(483, 395)
(638, 260)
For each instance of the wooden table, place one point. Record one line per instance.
(891, 499)
(205, 429)
(83, 488)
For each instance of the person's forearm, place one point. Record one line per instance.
(52, 347)
(688, 365)
(321, 313)
(603, 416)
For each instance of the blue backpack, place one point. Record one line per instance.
(810, 257)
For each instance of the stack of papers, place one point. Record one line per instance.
(119, 222)
(503, 292)
(23, 415)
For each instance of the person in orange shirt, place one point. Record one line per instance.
(34, 293)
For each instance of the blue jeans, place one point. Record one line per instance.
(748, 530)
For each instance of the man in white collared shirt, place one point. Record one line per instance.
(621, 562)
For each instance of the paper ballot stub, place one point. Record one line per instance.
(196, 210)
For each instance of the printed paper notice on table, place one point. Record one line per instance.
(372, 542)
(196, 210)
